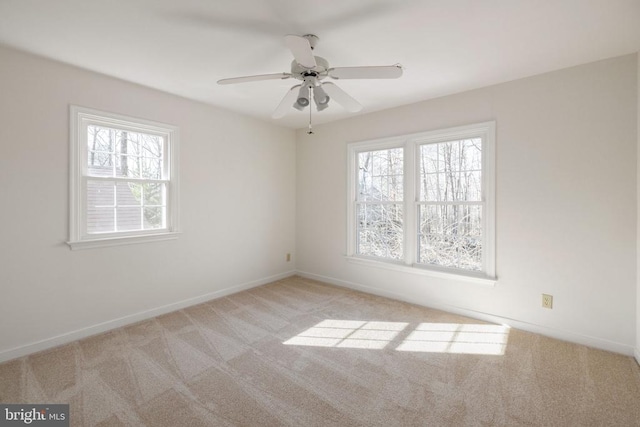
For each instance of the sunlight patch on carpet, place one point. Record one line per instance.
(455, 338)
(349, 334)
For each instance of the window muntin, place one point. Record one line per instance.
(446, 203)
(124, 181)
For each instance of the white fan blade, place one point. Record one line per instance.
(301, 50)
(259, 77)
(381, 72)
(341, 97)
(286, 102)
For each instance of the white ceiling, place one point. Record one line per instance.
(446, 46)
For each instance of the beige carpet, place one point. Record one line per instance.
(301, 353)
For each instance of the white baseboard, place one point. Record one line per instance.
(487, 317)
(133, 318)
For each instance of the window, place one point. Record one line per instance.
(425, 201)
(379, 203)
(124, 182)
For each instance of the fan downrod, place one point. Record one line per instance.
(313, 40)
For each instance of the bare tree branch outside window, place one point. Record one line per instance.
(450, 207)
(379, 208)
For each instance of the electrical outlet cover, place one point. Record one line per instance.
(547, 301)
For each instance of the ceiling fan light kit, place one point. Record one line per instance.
(311, 70)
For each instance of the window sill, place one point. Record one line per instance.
(476, 279)
(123, 240)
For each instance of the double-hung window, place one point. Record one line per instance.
(425, 201)
(124, 182)
(379, 203)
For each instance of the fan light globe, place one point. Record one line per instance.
(319, 96)
(303, 98)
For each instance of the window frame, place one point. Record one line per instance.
(411, 145)
(80, 118)
(379, 145)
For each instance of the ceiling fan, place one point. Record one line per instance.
(311, 70)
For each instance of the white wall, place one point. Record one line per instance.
(637, 350)
(237, 208)
(566, 202)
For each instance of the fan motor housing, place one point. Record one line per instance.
(319, 71)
